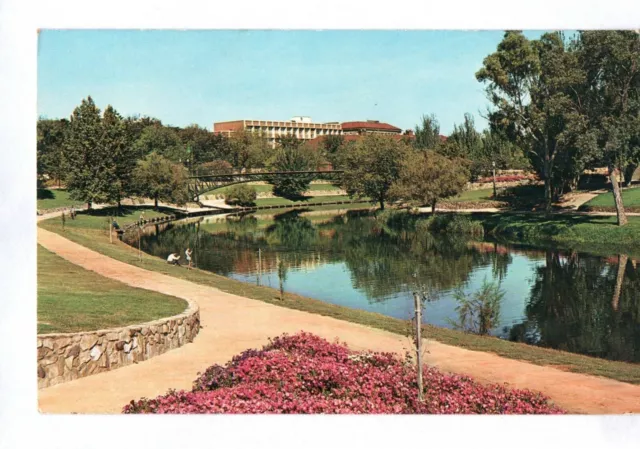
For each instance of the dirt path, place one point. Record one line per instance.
(233, 323)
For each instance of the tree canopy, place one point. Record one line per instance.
(427, 177)
(372, 164)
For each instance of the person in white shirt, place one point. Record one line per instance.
(173, 259)
(187, 254)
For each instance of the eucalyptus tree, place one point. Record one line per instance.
(611, 63)
(428, 133)
(532, 86)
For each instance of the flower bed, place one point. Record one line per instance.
(304, 373)
(508, 178)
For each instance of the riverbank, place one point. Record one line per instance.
(222, 335)
(98, 241)
(595, 234)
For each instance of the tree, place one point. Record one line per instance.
(217, 167)
(204, 146)
(372, 165)
(426, 177)
(137, 124)
(532, 86)
(91, 173)
(163, 141)
(611, 62)
(505, 153)
(292, 154)
(241, 194)
(50, 149)
(331, 148)
(248, 149)
(159, 178)
(466, 142)
(428, 133)
(118, 145)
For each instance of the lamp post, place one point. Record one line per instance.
(493, 163)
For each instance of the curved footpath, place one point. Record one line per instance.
(233, 323)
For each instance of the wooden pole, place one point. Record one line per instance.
(259, 266)
(416, 298)
(139, 246)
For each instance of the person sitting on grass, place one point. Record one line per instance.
(173, 259)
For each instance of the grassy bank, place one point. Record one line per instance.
(604, 202)
(99, 241)
(590, 233)
(54, 198)
(72, 299)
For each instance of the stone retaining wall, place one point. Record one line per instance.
(65, 357)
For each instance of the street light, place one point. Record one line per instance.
(493, 163)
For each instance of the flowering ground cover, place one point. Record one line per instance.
(303, 373)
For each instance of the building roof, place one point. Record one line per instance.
(370, 125)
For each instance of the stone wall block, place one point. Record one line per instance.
(88, 341)
(65, 357)
(95, 353)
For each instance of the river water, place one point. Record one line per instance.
(566, 300)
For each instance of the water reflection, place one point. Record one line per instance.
(571, 301)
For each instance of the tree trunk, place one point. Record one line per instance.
(88, 205)
(617, 197)
(433, 207)
(628, 174)
(381, 203)
(155, 202)
(622, 265)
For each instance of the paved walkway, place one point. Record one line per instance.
(233, 323)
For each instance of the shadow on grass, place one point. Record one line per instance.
(123, 211)
(45, 194)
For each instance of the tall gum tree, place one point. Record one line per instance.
(531, 85)
(611, 62)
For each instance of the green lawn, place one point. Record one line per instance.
(308, 199)
(99, 241)
(630, 198)
(51, 199)
(100, 218)
(267, 188)
(472, 195)
(72, 299)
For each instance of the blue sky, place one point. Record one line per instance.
(185, 77)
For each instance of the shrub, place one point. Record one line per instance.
(451, 224)
(243, 195)
(304, 373)
(480, 312)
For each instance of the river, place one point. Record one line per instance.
(573, 301)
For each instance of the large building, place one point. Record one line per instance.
(303, 128)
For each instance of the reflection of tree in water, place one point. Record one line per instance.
(576, 306)
(382, 260)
